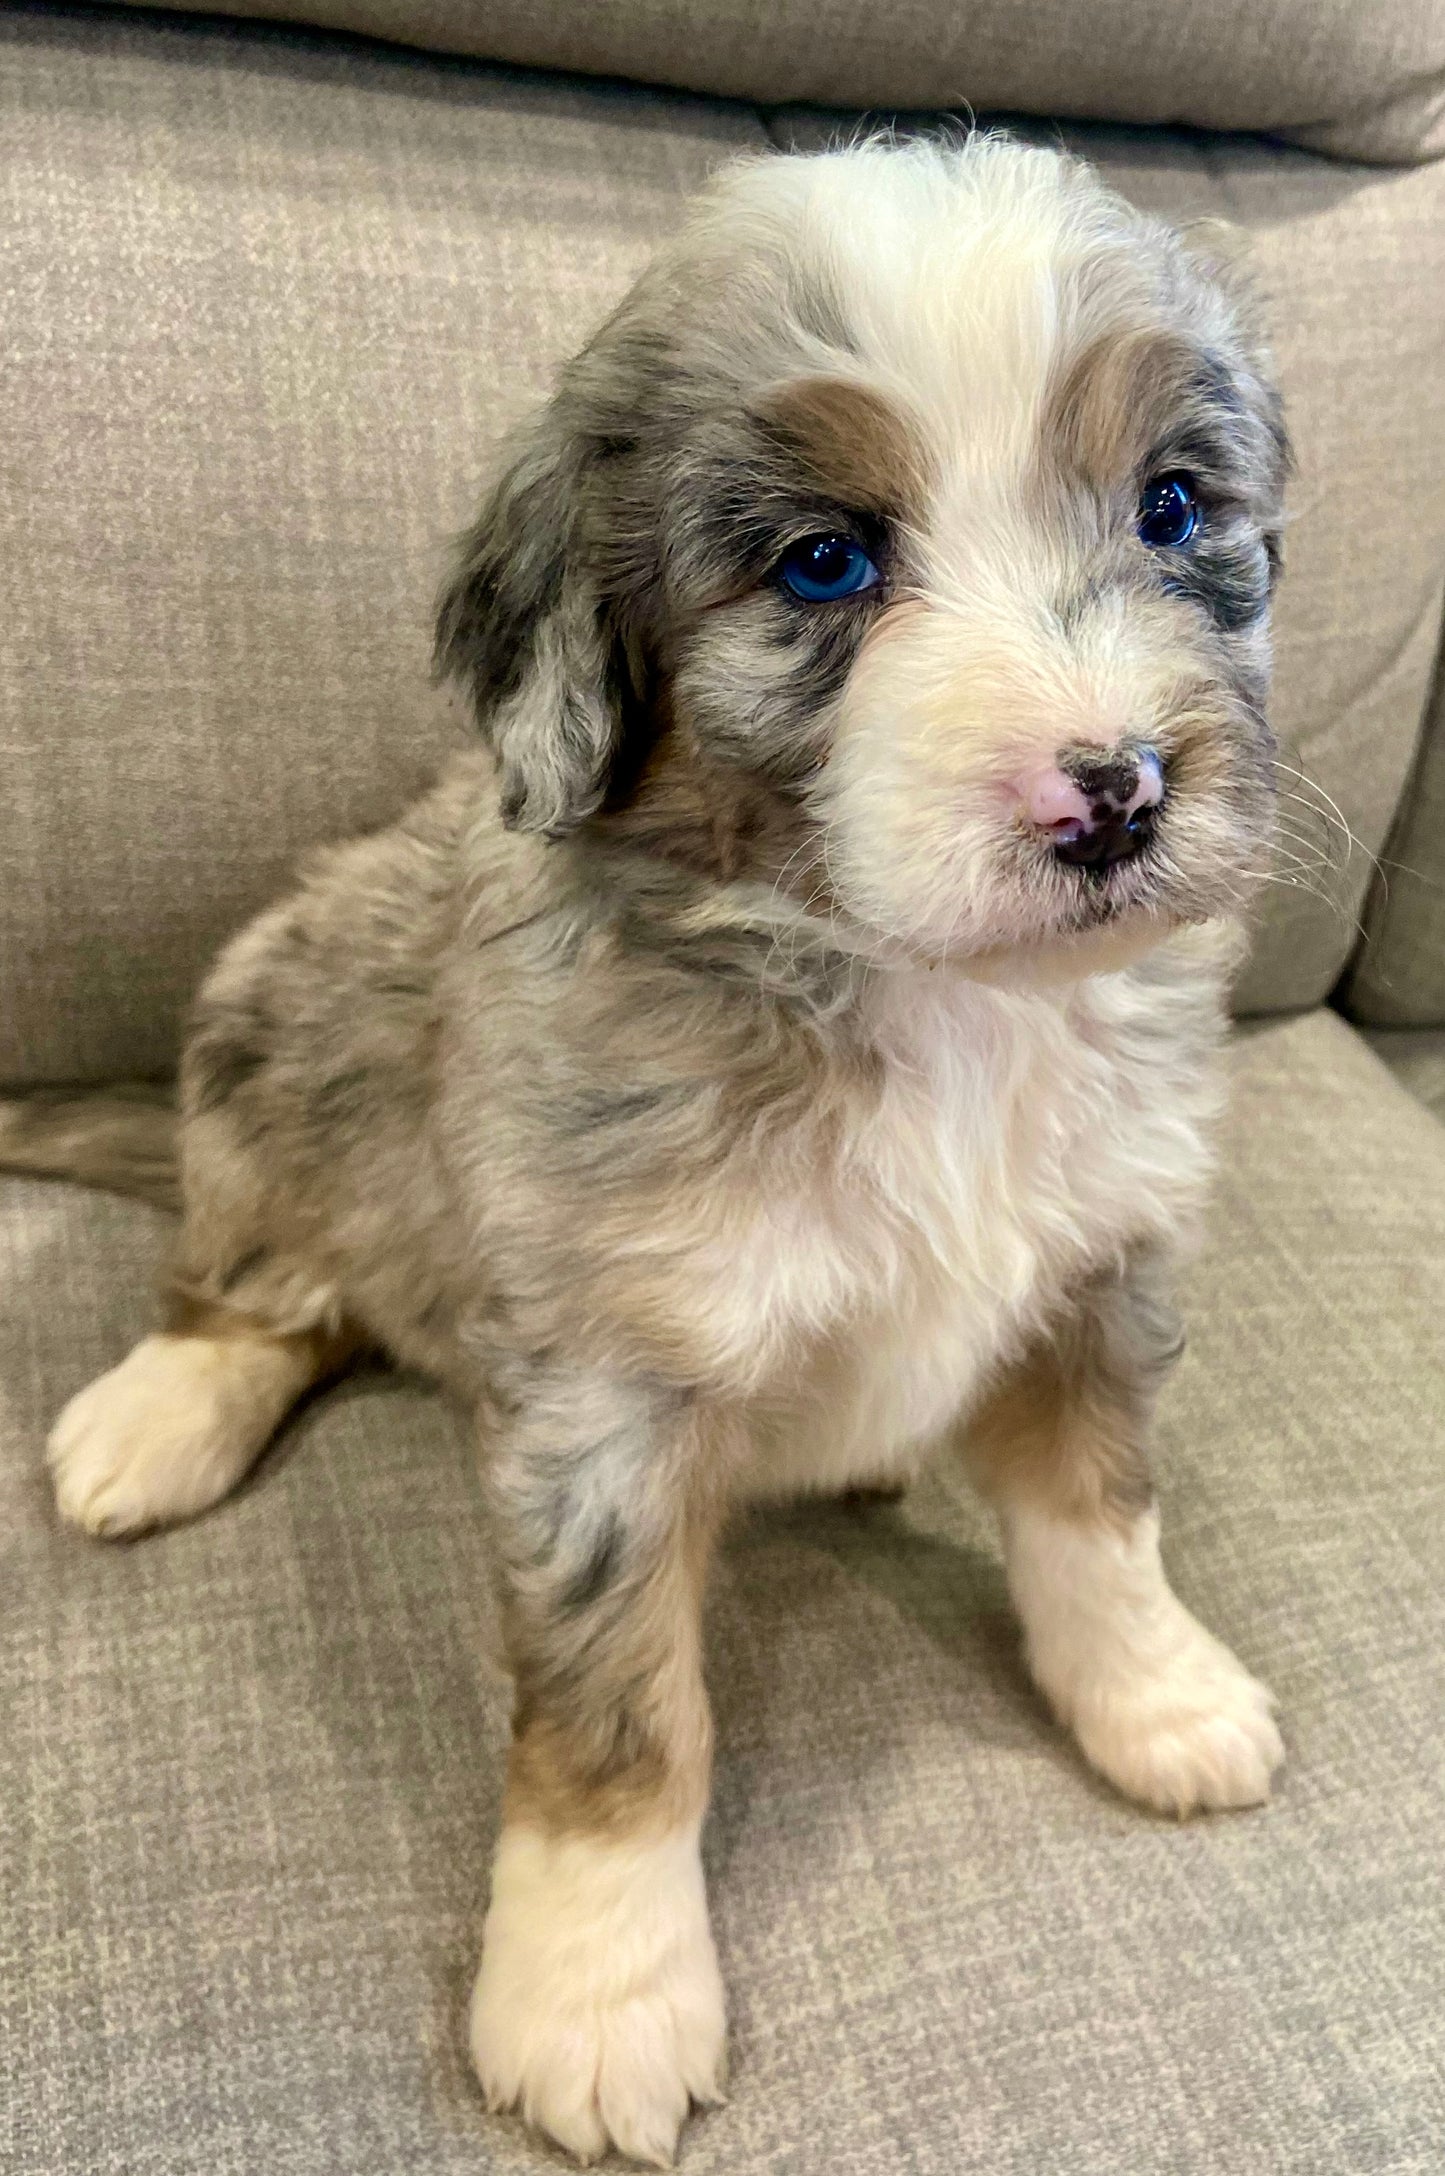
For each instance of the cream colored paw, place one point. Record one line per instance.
(1197, 1734)
(598, 2009)
(169, 1431)
(1158, 1705)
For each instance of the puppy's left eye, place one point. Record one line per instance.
(1168, 512)
(820, 568)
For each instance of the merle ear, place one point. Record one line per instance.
(523, 629)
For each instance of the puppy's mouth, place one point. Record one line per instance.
(1110, 897)
(1185, 859)
(1104, 895)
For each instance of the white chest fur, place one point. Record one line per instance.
(1019, 1141)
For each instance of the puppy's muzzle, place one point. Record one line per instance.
(1093, 806)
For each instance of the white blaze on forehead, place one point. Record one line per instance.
(956, 271)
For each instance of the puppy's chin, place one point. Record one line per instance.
(1053, 961)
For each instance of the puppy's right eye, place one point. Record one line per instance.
(1168, 512)
(821, 568)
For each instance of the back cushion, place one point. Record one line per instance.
(1362, 78)
(1398, 978)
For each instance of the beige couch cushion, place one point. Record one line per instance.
(1416, 1057)
(251, 1768)
(1363, 78)
(1398, 979)
(274, 296)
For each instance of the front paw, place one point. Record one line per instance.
(1187, 1732)
(164, 1435)
(598, 2009)
(1157, 1704)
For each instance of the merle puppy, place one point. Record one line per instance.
(782, 1049)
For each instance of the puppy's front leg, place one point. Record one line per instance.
(598, 2007)
(1157, 1703)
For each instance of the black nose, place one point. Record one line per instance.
(1125, 791)
(1112, 836)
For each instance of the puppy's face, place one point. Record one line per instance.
(906, 540)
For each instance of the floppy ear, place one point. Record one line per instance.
(523, 629)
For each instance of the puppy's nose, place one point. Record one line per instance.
(1096, 805)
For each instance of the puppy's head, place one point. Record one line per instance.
(906, 539)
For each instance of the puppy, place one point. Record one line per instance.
(783, 1049)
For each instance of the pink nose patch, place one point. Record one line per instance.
(1050, 798)
(1053, 802)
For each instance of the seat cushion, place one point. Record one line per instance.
(1416, 1057)
(253, 1766)
(1367, 81)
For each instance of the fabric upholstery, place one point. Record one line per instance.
(277, 296)
(1366, 81)
(1398, 977)
(1416, 1057)
(252, 1766)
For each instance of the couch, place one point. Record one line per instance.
(268, 293)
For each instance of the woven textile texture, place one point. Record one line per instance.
(1365, 81)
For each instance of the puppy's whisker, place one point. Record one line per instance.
(1419, 876)
(1320, 841)
(1294, 884)
(1288, 858)
(1328, 808)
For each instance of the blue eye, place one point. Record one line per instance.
(820, 568)
(1168, 512)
